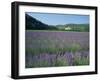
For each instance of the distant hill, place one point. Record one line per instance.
(74, 27)
(32, 23)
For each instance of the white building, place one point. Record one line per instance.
(67, 28)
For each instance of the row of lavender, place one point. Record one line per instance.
(49, 48)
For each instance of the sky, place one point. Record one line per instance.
(60, 19)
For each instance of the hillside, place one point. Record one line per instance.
(32, 23)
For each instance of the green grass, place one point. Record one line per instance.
(54, 50)
(48, 30)
(56, 31)
(81, 61)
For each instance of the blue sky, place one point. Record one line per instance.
(56, 19)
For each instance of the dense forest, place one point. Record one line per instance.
(34, 24)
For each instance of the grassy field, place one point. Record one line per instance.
(56, 48)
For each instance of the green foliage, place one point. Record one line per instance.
(54, 50)
(61, 62)
(75, 47)
(81, 61)
(74, 27)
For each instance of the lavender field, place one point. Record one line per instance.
(56, 48)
